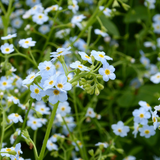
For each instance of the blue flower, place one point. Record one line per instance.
(56, 95)
(107, 72)
(36, 92)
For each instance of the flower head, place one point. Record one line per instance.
(120, 129)
(7, 48)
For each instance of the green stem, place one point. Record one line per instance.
(34, 140)
(24, 123)
(3, 129)
(92, 19)
(49, 127)
(2, 7)
(79, 125)
(89, 38)
(32, 57)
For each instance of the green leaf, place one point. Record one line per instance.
(126, 99)
(147, 93)
(135, 150)
(109, 25)
(137, 13)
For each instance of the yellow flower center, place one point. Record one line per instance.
(34, 122)
(79, 66)
(16, 115)
(146, 131)
(7, 49)
(141, 115)
(119, 130)
(47, 68)
(56, 92)
(4, 83)
(158, 76)
(60, 52)
(60, 85)
(54, 8)
(32, 77)
(154, 119)
(87, 56)
(40, 16)
(148, 105)
(158, 27)
(27, 42)
(8, 149)
(36, 90)
(63, 108)
(79, 143)
(107, 71)
(101, 55)
(42, 109)
(51, 82)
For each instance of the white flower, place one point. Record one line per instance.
(15, 117)
(107, 72)
(106, 11)
(51, 146)
(30, 78)
(60, 52)
(147, 131)
(9, 36)
(120, 129)
(52, 8)
(144, 105)
(141, 116)
(63, 108)
(100, 32)
(157, 108)
(105, 144)
(64, 32)
(26, 43)
(100, 56)
(42, 109)
(156, 27)
(34, 123)
(40, 18)
(7, 48)
(136, 128)
(155, 78)
(79, 144)
(85, 57)
(77, 19)
(78, 65)
(90, 113)
(6, 150)
(74, 7)
(154, 119)
(130, 158)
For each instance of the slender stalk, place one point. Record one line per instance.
(79, 125)
(3, 128)
(34, 140)
(49, 127)
(89, 37)
(2, 7)
(24, 123)
(32, 57)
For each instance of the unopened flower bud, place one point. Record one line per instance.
(97, 91)
(91, 152)
(100, 86)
